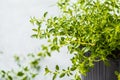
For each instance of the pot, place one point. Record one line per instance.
(102, 71)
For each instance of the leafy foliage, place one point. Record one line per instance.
(89, 28)
(26, 70)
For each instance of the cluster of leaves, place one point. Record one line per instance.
(89, 28)
(62, 73)
(27, 69)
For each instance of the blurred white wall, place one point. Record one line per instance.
(15, 28)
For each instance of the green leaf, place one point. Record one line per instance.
(34, 30)
(48, 53)
(77, 77)
(62, 75)
(40, 54)
(55, 18)
(47, 71)
(45, 14)
(54, 76)
(17, 58)
(39, 24)
(10, 77)
(20, 73)
(3, 71)
(73, 68)
(25, 78)
(34, 36)
(53, 48)
(57, 67)
(44, 47)
(34, 75)
(86, 49)
(52, 31)
(55, 40)
(35, 62)
(62, 38)
(32, 21)
(26, 68)
(62, 33)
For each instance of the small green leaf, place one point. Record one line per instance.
(57, 67)
(47, 71)
(55, 18)
(86, 49)
(48, 53)
(34, 75)
(62, 33)
(3, 72)
(55, 40)
(62, 75)
(40, 54)
(73, 68)
(54, 76)
(77, 77)
(53, 48)
(38, 23)
(45, 14)
(34, 30)
(32, 21)
(24, 78)
(51, 30)
(10, 77)
(17, 58)
(26, 68)
(44, 47)
(34, 36)
(35, 62)
(20, 73)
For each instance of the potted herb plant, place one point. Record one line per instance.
(91, 31)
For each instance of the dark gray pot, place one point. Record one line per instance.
(103, 72)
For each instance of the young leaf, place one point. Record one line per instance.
(32, 21)
(24, 78)
(26, 68)
(45, 14)
(34, 63)
(54, 76)
(48, 53)
(62, 75)
(10, 77)
(47, 71)
(20, 73)
(34, 75)
(34, 30)
(34, 36)
(57, 67)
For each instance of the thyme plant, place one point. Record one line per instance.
(89, 28)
